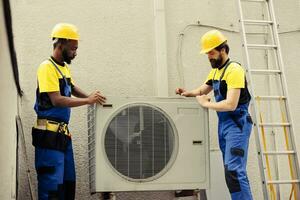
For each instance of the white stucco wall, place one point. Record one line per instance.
(8, 108)
(117, 55)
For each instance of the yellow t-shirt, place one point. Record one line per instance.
(233, 78)
(49, 77)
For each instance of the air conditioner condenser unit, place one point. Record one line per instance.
(148, 143)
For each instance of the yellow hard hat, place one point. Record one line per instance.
(65, 31)
(211, 40)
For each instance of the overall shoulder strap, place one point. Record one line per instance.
(64, 77)
(229, 62)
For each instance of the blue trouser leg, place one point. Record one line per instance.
(50, 170)
(222, 142)
(69, 174)
(234, 146)
(56, 173)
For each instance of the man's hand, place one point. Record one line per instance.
(182, 92)
(96, 97)
(203, 100)
(179, 91)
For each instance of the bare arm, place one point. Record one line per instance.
(202, 90)
(228, 104)
(62, 101)
(77, 92)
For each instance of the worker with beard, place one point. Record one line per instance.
(228, 82)
(54, 161)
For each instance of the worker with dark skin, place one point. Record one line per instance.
(66, 53)
(54, 160)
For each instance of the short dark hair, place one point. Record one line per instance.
(223, 45)
(57, 41)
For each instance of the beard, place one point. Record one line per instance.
(216, 63)
(66, 57)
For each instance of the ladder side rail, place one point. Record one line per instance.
(278, 66)
(284, 82)
(290, 139)
(254, 106)
(274, 41)
(285, 91)
(273, 135)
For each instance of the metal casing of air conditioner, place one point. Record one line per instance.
(148, 144)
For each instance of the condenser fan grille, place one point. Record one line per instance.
(139, 142)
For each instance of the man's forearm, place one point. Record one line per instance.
(193, 93)
(63, 101)
(202, 90)
(222, 106)
(196, 92)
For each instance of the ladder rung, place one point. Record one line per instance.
(260, 1)
(256, 33)
(257, 22)
(283, 181)
(274, 124)
(262, 71)
(270, 97)
(261, 46)
(278, 152)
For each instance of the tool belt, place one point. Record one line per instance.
(59, 127)
(50, 134)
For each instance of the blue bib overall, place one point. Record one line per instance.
(55, 167)
(234, 129)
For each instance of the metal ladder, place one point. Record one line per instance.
(274, 134)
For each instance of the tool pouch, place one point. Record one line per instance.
(49, 139)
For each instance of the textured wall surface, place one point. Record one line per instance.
(8, 108)
(117, 56)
